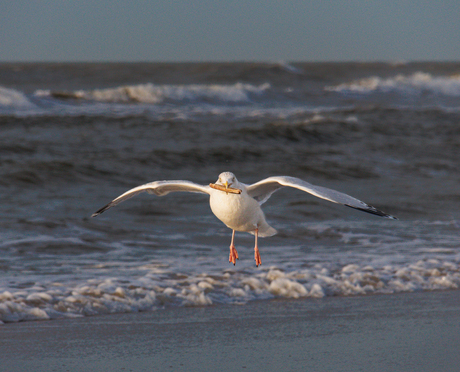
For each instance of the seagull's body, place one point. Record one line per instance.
(238, 205)
(240, 212)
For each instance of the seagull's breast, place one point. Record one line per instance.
(238, 211)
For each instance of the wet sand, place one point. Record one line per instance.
(402, 332)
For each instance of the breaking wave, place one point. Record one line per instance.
(155, 94)
(10, 98)
(417, 83)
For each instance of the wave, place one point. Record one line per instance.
(284, 66)
(155, 94)
(157, 288)
(417, 83)
(11, 98)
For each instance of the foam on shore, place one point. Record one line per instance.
(158, 288)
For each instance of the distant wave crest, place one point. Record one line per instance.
(155, 94)
(13, 98)
(417, 83)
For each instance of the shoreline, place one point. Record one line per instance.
(417, 331)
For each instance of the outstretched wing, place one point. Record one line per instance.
(263, 189)
(159, 188)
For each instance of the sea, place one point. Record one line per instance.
(76, 135)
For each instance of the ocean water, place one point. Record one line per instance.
(75, 136)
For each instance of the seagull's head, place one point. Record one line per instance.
(227, 179)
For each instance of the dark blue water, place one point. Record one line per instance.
(74, 136)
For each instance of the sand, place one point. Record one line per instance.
(398, 332)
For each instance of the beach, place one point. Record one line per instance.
(403, 332)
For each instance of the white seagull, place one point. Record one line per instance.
(238, 205)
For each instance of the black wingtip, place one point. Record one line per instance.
(102, 210)
(372, 210)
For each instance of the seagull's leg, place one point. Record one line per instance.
(233, 253)
(256, 250)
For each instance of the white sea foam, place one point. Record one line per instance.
(13, 99)
(156, 289)
(155, 94)
(416, 83)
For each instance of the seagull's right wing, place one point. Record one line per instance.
(263, 189)
(159, 188)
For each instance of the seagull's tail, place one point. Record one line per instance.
(265, 231)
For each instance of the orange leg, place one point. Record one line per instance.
(233, 253)
(256, 251)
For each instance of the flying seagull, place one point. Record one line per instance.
(238, 205)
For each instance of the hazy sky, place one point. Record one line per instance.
(229, 30)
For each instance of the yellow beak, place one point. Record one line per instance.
(227, 185)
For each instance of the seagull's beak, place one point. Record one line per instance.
(227, 185)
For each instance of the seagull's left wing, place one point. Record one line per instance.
(263, 189)
(159, 188)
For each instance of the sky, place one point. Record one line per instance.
(229, 30)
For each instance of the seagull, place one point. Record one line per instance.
(238, 205)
